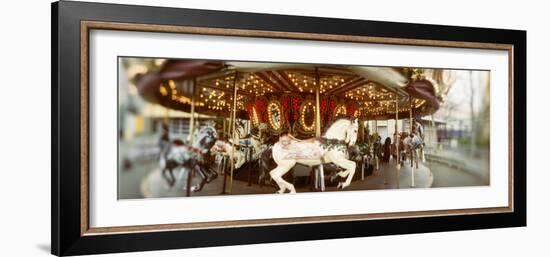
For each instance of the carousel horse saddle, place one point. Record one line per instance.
(301, 149)
(415, 142)
(178, 142)
(245, 142)
(289, 137)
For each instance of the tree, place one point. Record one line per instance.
(473, 124)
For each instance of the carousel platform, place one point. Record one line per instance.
(385, 177)
(154, 186)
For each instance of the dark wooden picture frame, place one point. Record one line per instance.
(71, 22)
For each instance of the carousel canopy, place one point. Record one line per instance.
(358, 91)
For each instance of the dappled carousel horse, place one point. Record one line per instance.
(225, 148)
(256, 139)
(189, 158)
(267, 163)
(332, 147)
(261, 144)
(364, 154)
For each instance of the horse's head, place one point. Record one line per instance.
(418, 128)
(351, 132)
(240, 131)
(374, 137)
(343, 129)
(262, 126)
(205, 139)
(259, 130)
(219, 147)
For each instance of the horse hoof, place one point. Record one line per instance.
(340, 186)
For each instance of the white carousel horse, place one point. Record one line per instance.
(332, 147)
(225, 148)
(251, 140)
(239, 142)
(186, 158)
(258, 141)
(231, 147)
(414, 144)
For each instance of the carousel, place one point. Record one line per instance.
(267, 119)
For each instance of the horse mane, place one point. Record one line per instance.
(343, 118)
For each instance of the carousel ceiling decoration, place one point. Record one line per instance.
(363, 92)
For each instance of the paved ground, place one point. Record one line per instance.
(144, 180)
(476, 164)
(459, 168)
(153, 184)
(446, 176)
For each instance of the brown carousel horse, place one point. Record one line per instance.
(189, 158)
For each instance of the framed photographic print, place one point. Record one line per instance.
(177, 128)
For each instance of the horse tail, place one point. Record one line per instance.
(265, 158)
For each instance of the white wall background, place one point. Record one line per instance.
(25, 128)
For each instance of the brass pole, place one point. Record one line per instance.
(318, 124)
(397, 129)
(232, 125)
(411, 128)
(191, 130)
(224, 129)
(362, 140)
(397, 171)
(317, 105)
(362, 131)
(192, 119)
(434, 134)
(165, 118)
(411, 114)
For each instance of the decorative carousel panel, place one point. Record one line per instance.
(254, 116)
(307, 116)
(339, 111)
(275, 115)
